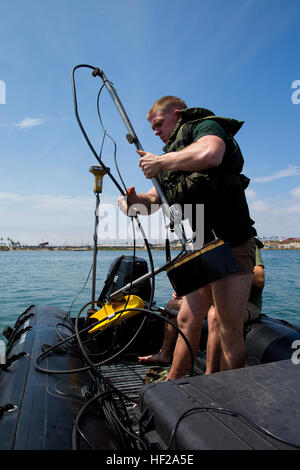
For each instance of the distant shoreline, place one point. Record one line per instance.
(125, 248)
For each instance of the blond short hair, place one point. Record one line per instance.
(166, 103)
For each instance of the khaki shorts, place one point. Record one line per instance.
(245, 256)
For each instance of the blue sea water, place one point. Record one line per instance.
(57, 277)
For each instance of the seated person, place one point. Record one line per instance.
(213, 353)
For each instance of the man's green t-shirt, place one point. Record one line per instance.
(209, 127)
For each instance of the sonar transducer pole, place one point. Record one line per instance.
(99, 172)
(133, 139)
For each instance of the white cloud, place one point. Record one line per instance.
(260, 206)
(279, 218)
(294, 209)
(275, 217)
(54, 218)
(250, 194)
(9, 197)
(290, 171)
(28, 123)
(296, 192)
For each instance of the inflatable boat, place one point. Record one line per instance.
(63, 388)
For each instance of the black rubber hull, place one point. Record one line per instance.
(270, 340)
(45, 405)
(39, 408)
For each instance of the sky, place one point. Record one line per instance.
(239, 58)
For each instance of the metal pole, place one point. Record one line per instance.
(95, 249)
(98, 172)
(132, 138)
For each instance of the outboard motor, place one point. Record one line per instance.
(122, 271)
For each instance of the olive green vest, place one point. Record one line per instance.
(186, 187)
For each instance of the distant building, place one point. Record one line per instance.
(290, 243)
(43, 245)
(3, 247)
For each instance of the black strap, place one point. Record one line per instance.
(4, 408)
(183, 183)
(168, 250)
(11, 359)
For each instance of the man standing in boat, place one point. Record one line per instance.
(202, 164)
(213, 349)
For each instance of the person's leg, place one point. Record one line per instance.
(164, 355)
(213, 348)
(190, 318)
(231, 295)
(231, 298)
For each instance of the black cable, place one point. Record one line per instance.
(105, 133)
(119, 422)
(70, 371)
(231, 413)
(83, 437)
(118, 353)
(127, 300)
(106, 408)
(76, 334)
(64, 326)
(76, 428)
(111, 417)
(68, 313)
(148, 311)
(111, 410)
(130, 289)
(92, 366)
(83, 130)
(107, 169)
(110, 413)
